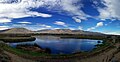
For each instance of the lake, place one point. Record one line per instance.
(63, 46)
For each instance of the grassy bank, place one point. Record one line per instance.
(35, 55)
(17, 39)
(107, 45)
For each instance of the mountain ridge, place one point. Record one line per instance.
(17, 30)
(54, 31)
(68, 31)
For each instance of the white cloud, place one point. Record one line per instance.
(24, 22)
(92, 28)
(80, 27)
(111, 11)
(47, 26)
(104, 14)
(71, 28)
(44, 26)
(71, 7)
(99, 24)
(60, 23)
(20, 9)
(4, 27)
(74, 10)
(5, 20)
(56, 28)
(77, 19)
(39, 14)
(33, 27)
(13, 15)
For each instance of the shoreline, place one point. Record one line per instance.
(63, 57)
(17, 39)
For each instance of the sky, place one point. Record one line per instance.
(89, 15)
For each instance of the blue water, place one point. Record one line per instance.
(63, 46)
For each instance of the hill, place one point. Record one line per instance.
(17, 30)
(55, 31)
(68, 31)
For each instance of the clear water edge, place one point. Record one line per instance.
(64, 46)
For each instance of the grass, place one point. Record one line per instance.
(23, 52)
(31, 53)
(79, 54)
(20, 52)
(37, 54)
(17, 39)
(101, 46)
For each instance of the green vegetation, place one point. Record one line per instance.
(84, 37)
(103, 46)
(31, 54)
(22, 52)
(34, 55)
(107, 45)
(17, 39)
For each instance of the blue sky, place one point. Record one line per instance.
(89, 15)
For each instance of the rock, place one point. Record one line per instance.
(98, 41)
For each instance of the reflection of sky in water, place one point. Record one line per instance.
(66, 46)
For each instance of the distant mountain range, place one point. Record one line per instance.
(55, 31)
(68, 31)
(16, 30)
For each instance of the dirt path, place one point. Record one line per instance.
(108, 56)
(103, 57)
(16, 58)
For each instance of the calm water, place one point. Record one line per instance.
(64, 46)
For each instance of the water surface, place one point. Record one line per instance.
(63, 46)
